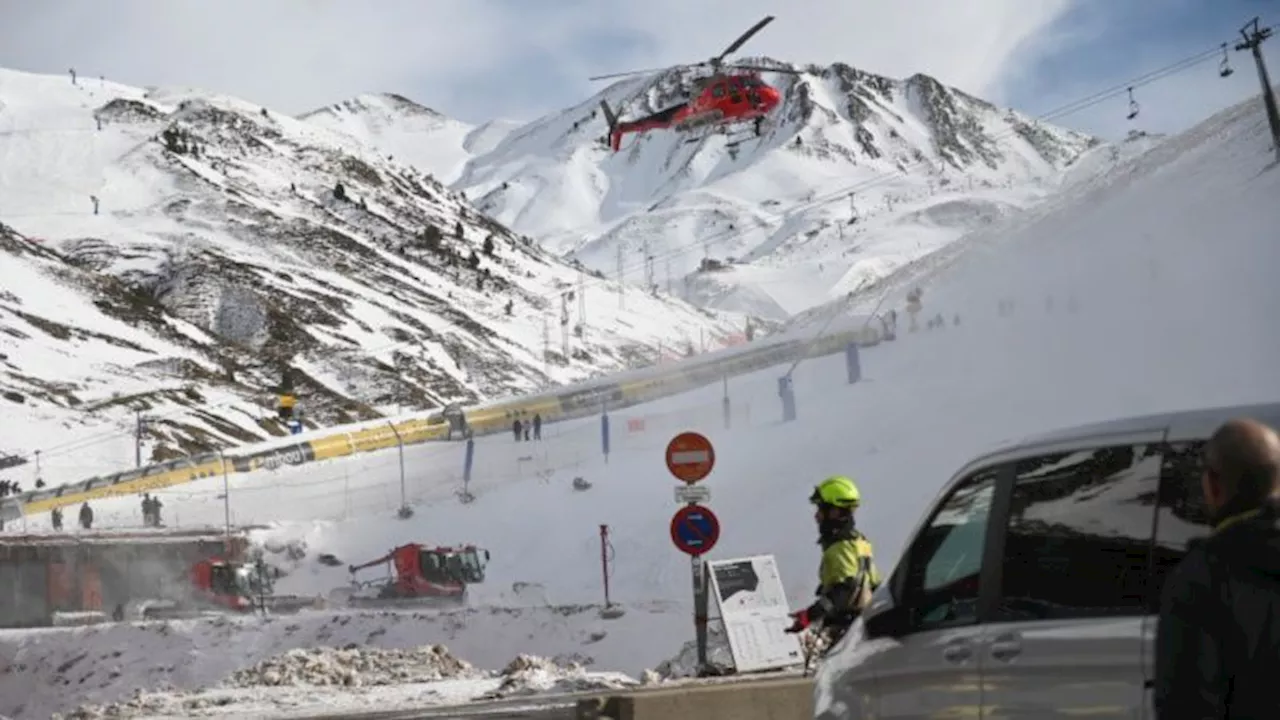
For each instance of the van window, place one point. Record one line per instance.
(1183, 516)
(1079, 534)
(946, 558)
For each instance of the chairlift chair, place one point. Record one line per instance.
(1133, 106)
(1224, 67)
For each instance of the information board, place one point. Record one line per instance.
(753, 607)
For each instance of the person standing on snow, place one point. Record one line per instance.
(1218, 636)
(847, 572)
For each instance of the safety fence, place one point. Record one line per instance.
(567, 457)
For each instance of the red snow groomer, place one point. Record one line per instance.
(218, 585)
(417, 576)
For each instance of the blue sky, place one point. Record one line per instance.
(1101, 43)
(480, 59)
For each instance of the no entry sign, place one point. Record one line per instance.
(695, 529)
(690, 457)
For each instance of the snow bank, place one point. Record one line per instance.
(533, 675)
(684, 664)
(336, 679)
(352, 666)
(226, 659)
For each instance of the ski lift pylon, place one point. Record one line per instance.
(1133, 106)
(1224, 67)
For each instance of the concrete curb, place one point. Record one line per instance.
(780, 699)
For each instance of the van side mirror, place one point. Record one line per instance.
(890, 622)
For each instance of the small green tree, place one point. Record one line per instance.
(473, 260)
(457, 229)
(488, 246)
(339, 192)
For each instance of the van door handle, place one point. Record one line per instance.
(957, 651)
(1006, 647)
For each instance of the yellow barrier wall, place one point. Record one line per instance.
(571, 402)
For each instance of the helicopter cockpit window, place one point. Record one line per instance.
(735, 89)
(717, 91)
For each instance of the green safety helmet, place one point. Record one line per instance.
(837, 491)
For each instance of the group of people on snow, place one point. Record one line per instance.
(151, 510)
(521, 429)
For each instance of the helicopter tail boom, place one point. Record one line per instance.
(615, 134)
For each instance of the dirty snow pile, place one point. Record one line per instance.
(684, 664)
(531, 675)
(328, 679)
(352, 666)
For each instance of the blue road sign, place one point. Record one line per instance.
(695, 529)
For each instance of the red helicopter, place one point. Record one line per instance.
(723, 98)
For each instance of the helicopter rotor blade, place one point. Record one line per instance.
(742, 39)
(762, 68)
(650, 71)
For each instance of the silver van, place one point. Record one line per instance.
(1031, 588)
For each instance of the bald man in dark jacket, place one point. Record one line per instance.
(1218, 638)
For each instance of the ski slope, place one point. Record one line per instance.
(1147, 290)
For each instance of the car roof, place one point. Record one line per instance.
(1172, 426)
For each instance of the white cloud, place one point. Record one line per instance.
(476, 57)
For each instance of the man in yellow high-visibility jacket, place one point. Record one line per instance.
(847, 573)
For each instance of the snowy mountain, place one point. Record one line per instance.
(857, 175)
(415, 135)
(1117, 301)
(173, 251)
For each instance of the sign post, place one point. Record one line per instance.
(695, 530)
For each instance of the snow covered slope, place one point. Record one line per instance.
(237, 242)
(415, 135)
(1154, 280)
(857, 175)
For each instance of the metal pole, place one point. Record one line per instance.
(725, 403)
(1253, 42)
(604, 562)
(137, 438)
(400, 445)
(226, 496)
(700, 606)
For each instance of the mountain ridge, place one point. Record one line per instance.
(245, 243)
(766, 207)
